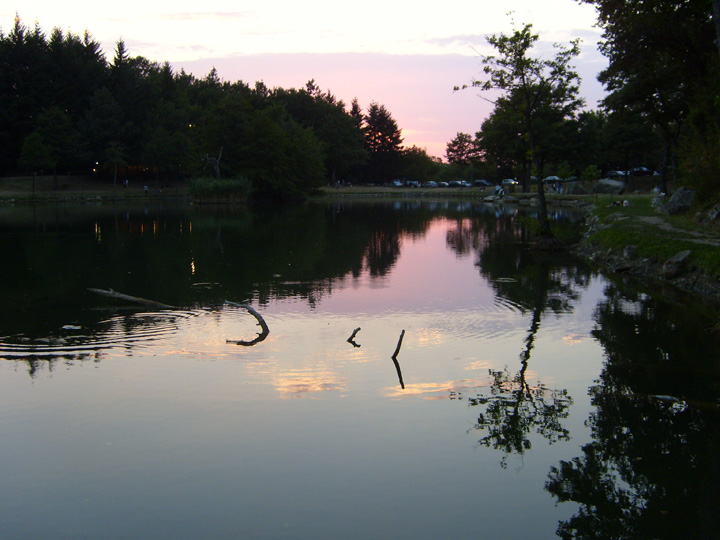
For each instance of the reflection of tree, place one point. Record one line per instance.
(652, 470)
(535, 282)
(382, 251)
(514, 409)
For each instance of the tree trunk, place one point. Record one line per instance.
(542, 210)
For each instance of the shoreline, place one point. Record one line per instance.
(612, 255)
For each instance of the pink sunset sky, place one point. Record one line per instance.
(400, 54)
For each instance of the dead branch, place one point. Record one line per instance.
(397, 349)
(395, 361)
(351, 339)
(132, 299)
(261, 322)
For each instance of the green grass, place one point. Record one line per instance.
(652, 241)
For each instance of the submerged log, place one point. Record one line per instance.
(132, 299)
(261, 322)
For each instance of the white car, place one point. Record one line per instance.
(509, 182)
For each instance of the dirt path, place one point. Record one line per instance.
(690, 236)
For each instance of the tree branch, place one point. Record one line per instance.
(261, 322)
(132, 299)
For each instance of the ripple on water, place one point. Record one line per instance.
(118, 332)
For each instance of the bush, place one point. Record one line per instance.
(591, 173)
(209, 190)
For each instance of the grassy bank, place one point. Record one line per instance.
(656, 236)
(78, 188)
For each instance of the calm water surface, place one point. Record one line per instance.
(530, 397)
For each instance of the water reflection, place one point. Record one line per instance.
(513, 409)
(652, 469)
(194, 258)
(501, 357)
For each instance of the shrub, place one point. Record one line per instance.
(209, 190)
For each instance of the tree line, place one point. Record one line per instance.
(661, 111)
(66, 109)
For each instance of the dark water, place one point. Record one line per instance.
(529, 396)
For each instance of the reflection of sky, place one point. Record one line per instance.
(170, 411)
(426, 278)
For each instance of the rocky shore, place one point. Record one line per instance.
(625, 259)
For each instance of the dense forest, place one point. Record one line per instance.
(66, 109)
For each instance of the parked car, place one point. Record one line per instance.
(442, 184)
(643, 171)
(430, 184)
(616, 174)
(552, 179)
(509, 182)
(481, 183)
(413, 183)
(397, 183)
(455, 183)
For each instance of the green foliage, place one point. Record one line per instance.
(283, 159)
(338, 132)
(539, 97)
(463, 149)
(662, 57)
(167, 123)
(417, 165)
(699, 152)
(35, 155)
(591, 173)
(383, 142)
(564, 170)
(219, 190)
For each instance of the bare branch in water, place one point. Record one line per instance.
(261, 322)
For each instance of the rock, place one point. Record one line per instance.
(674, 266)
(606, 185)
(617, 216)
(713, 213)
(630, 252)
(574, 188)
(681, 201)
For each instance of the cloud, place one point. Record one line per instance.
(207, 15)
(471, 41)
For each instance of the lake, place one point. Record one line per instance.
(425, 374)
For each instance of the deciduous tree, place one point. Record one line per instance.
(541, 92)
(462, 149)
(662, 60)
